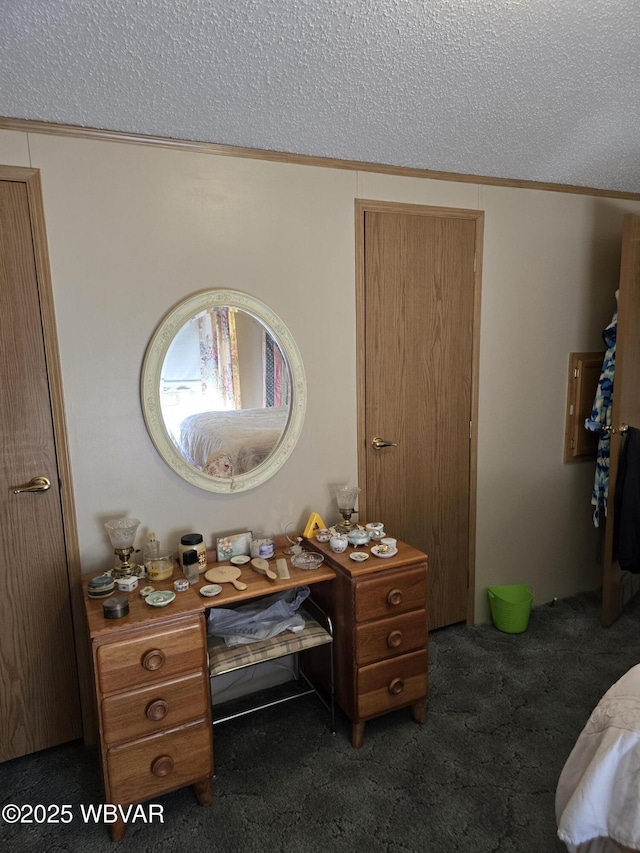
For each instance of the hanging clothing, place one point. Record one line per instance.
(601, 417)
(626, 526)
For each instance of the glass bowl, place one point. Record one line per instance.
(307, 560)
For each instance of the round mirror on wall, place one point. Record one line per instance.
(223, 391)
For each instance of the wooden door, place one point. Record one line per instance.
(618, 587)
(39, 694)
(418, 309)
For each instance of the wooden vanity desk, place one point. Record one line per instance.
(379, 609)
(152, 686)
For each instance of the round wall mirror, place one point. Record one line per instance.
(223, 391)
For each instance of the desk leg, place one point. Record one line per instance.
(357, 735)
(202, 790)
(117, 829)
(417, 711)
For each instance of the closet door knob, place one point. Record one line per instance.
(37, 484)
(379, 443)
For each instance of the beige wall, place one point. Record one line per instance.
(134, 229)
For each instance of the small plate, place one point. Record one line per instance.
(160, 598)
(359, 556)
(307, 560)
(210, 590)
(376, 550)
(240, 560)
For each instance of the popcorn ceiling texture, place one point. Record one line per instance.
(544, 90)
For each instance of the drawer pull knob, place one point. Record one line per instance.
(395, 597)
(162, 766)
(396, 686)
(153, 660)
(157, 710)
(394, 639)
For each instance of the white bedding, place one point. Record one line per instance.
(598, 794)
(247, 437)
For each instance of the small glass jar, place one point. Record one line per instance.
(190, 566)
(262, 545)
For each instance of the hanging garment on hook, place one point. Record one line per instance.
(601, 417)
(626, 524)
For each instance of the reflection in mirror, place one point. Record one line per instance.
(224, 394)
(223, 391)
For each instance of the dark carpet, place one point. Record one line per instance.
(478, 776)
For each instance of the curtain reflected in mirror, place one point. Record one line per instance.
(224, 392)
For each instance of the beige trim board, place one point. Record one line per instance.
(52, 128)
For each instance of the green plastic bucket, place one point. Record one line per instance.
(511, 607)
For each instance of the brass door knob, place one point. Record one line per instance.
(37, 484)
(379, 443)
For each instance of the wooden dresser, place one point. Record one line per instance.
(379, 608)
(152, 691)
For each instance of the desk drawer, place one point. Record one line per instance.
(150, 657)
(127, 716)
(393, 592)
(391, 684)
(388, 638)
(160, 763)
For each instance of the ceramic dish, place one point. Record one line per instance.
(240, 560)
(377, 550)
(307, 560)
(359, 556)
(160, 598)
(210, 590)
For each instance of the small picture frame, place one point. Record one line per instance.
(233, 546)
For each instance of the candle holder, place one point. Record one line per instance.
(346, 497)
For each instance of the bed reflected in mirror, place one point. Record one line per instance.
(223, 391)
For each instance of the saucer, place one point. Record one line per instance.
(210, 590)
(376, 550)
(160, 598)
(240, 560)
(359, 556)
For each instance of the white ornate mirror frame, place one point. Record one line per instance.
(151, 384)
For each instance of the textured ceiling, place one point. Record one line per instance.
(543, 90)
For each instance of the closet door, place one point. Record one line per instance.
(618, 587)
(418, 320)
(39, 696)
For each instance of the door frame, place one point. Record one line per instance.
(363, 206)
(31, 179)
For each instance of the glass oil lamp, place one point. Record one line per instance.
(122, 532)
(346, 497)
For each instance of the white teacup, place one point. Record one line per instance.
(389, 542)
(323, 535)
